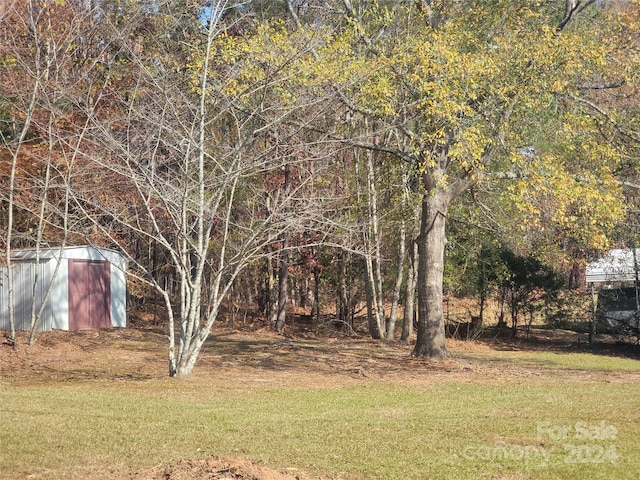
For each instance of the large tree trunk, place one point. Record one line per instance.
(431, 243)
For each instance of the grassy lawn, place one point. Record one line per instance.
(514, 427)
(563, 361)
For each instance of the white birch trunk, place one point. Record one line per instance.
(375, 299)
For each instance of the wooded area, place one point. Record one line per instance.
(325, 152)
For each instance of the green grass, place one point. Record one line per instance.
(563, 361)
(372, 430)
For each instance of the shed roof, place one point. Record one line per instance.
(620, 265)
(81, 251)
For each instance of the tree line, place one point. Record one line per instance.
(232, 150)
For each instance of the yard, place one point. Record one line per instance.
(99, 404)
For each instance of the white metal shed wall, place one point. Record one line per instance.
(56, 312)
(23, 281)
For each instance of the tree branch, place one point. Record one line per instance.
(572, 8)
(607, 117)
(524, 176)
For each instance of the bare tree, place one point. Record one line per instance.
(36, 44)
(28, 55)
(182, 141)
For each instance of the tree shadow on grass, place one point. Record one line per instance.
(353, 357)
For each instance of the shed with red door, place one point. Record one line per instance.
(70, 288)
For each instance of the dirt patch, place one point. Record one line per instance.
(214, 468)
(219, 469)
(113, 354)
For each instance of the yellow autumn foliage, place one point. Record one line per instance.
(472, 91)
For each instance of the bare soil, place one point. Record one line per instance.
(302, 357)
(214, 468)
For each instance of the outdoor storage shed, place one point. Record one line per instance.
(86, 285)
(618, 306)
(619, 265)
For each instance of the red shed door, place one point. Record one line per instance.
(89, 294)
